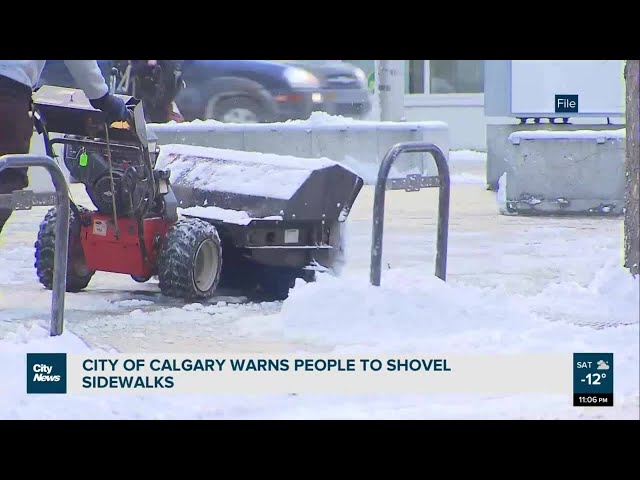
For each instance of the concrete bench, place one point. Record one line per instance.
(572, 172)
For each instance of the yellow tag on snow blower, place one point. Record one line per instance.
(84, 159)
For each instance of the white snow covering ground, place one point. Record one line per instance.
(514, 285)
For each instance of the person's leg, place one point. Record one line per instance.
(16, 130)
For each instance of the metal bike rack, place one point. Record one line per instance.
(412, 183)
(24, 200)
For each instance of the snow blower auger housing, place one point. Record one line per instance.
(280, 218)
(172, 212)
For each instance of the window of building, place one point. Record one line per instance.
(456, 76)
(414, 76)
(437, 82)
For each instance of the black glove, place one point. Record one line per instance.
(114, 108)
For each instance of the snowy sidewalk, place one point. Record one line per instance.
(514, 284)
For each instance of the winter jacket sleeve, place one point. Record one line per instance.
(89, 78)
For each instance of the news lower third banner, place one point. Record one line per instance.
(588, 376)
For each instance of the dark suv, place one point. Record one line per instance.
(251, 91)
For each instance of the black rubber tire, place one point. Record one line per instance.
(225, 104)
(223, 90)
(140, 279)
(78, 275)
(177, 259)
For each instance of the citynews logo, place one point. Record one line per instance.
(46, 373)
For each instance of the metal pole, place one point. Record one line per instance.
(443, 206)
(390, 89)
(378, 214)
(632, 169)
(62, 230)
(444, 197)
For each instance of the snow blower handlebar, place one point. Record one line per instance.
(69, 112)
(62, 229)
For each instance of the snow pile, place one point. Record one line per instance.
(249, 173)
(324, 118)
(612, 298)
(569, 135)
(414, 311)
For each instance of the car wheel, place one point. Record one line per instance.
(235, 110)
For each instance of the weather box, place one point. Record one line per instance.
(593, 379)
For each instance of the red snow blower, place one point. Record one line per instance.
(135, 228)
(135, 207)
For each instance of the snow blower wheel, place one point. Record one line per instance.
(78, 274)
(190, 261)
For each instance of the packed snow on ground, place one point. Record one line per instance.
(412, 312)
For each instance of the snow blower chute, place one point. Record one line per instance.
(196, 218)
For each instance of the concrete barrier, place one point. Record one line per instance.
(498, 143)
(579, 172)
(360, 145)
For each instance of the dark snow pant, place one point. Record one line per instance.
(16, 130)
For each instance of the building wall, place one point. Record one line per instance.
(453, 91)
(467, 124)
(444, 90)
